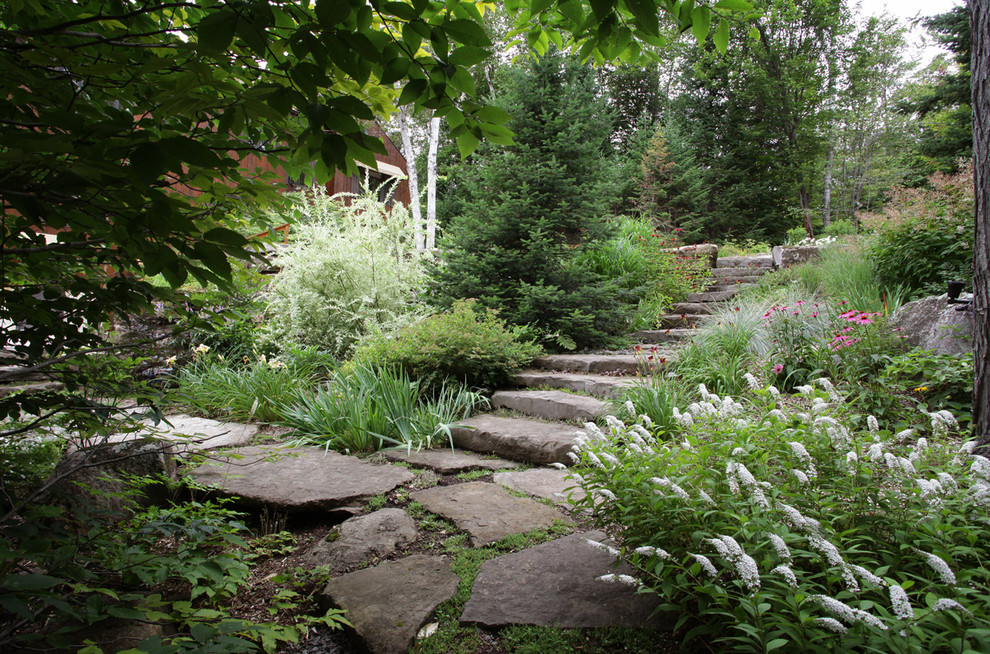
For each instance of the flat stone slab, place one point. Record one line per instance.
(593, 363)
(518, 439)
(447, 461)
(745, 261)
(550, 483)
(556, 584)
(389, 603)
(301, 479)
(358, 539)
(597, 385)
(192, 433)
(664, 335)
(699, 308)
(486, 511)
(713, 296)
(551, 405)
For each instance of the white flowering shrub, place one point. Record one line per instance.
(764, 528)
(349, 271)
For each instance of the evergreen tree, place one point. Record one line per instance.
(528, 208)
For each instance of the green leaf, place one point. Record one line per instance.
(147, 162)
(468, 55)
(412, 91)
(734, 5)
(215, 32)
(467, 32)
(189, 150)
(700, 23)
(467, 143)
(401, 10)
(721, 36)
(28, 582)
(492, 114)
(225, 236)
(645, 12)
(332, 12)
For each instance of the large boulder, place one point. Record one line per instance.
(706, 251)
(931, 323)
(99, 476)
(785, 256)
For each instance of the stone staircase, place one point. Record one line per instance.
(564, 391)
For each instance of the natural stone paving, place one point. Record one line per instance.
(358, 539)
(515, 438)
(299, 479)
(486, 511)
(557, 584)
(542, 482)
(597, 385)
(591, 363)
(193, 433)
(389, 603)
(447, 461)
(551, 405)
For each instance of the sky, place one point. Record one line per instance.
(908, 9)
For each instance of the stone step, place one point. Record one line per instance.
(28, 389)
(551, 405)
(719, 273)
(699, 308)
(596, 385)
(727, 286)
(680, 320)
(713, 296)
(655, 336)
(592, 363)
(516, 439)
(749, 261)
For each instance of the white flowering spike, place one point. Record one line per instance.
(873, 425)
(703, 391)
(922, 444)
(799, 451)
(946, 604)
(778, 415)
(803, 416)
(604, 547)
(852, 584)
(646, 420)
(941, 567)
(630, 408)
(904, 434)
(558, 466)
(706, 498)
(801, 477)
(826, 548)
(866, 575)
(980, 466)
(647, 550)
(751, 381)
(852, 458)
(848, 613)
(948, 481)
(705, 564)
(831, 624)
(635, 448)
(608, 458)
(573, 457)
(578, 479)
(907, 465)
(829, 388)
(788, 575)
(891, 462)
(739, 452)
(900, 603)
(778, 544)
(595, 461)
(607, 494)
(619, 579)
(819, 407)
(773, 391)
(804, 389)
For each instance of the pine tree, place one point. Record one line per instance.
(528, 208)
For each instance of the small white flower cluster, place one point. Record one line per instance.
(849, 614)
(946, 604)
(705, 564)
(663, 482)
(818, 405)
(941, 567)
(782, 550)
(751, 382)
(866, 575)
(836, 431)
(604, 547)
(798, 521)
(788, 575)
(745, 565)
(737, 473)
(900, 603)
(980, 466)
(804, 389)
(799, 450)
(626, 580)
(683, 419)
(647, 550)
(833, 395)
(873, 425)
(942, 422)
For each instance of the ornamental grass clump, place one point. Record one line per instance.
(784, 528)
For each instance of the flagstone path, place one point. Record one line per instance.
(554, 583)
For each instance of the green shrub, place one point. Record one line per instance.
(251, 388)
(842, 227)
(656, 397)
(933, 381)
(924, 237)
(363, 410)
(466, 344)
(349, 271)
(796, 234)
(774, 526)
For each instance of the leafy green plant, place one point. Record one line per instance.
(655, 396)
(773, 526)
(362, 409)
(466, 343)
(924, 237)
(933, 381)
(252, 388)
(350, 270)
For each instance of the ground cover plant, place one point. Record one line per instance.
(769, 524)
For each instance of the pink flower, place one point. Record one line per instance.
(800, 302)
(779, 368)
(814, 315)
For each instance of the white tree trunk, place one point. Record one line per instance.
(827, 190)
(431, 185)
(410, 155)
